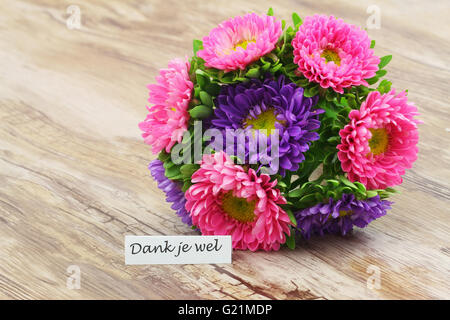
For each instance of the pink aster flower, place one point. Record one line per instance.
(380, 141)
(237, 42)
(167, 118)
(333, 53)
(227, 200)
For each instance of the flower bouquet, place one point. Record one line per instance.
(270, 131)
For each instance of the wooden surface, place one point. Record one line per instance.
(73, 167)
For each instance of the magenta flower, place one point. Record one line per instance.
(237, 42)
(333, 53)
(380, 141)
(227, 200)
(168, 118)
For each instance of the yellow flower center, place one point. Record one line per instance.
(264, 121)
(238, 208)
(331, 55)
(343, 213)
(243, 44)
(379, 142)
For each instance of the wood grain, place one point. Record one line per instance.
(73, 167)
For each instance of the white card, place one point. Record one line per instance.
(177, 249)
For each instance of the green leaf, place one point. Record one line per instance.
(266, 66)
(351, 102)
(197, 90)
(329, 110)
(213, 89)
(311, 91)
(306, 185)
(348, 183)
(371, 193)
(331, 194)
(295, 193)
(197, 45)
(202, 79)
(302, 82)
(276, 68)
(330, 95)
(163, 156)
(281, 184)
(363, 90)
(333, 183)
(384, 61)
(187, 183)
(334, 140)
(319, 188)
(308, 198)
(360, 186)
(344, 102)
(290, 240)
(346, 190)
(384, 86)
(270, 12)
(201, 112)
(253, 73)
(391, 190)
(381, 73)
(373, 80)
(372, 44)
(173, 173)
(168, 164)
(296, 19)
(240, 79)
(206, 98)
(188, 169)
(292, 217)
(228, 78)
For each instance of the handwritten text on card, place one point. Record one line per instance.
(177, 249)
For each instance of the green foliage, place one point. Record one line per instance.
(384, 61)
(290, 240)
(292, 217)
(253, 73)
(313, 192)
(311, 91)
(380, 73)
(197, 45)
(172, 171)
(188, 169)
(206, 99)
(163, 156)
(384, 86)
(296, 20)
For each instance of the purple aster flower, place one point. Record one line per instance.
(265, 106)
(340, 216)
(172, 190)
